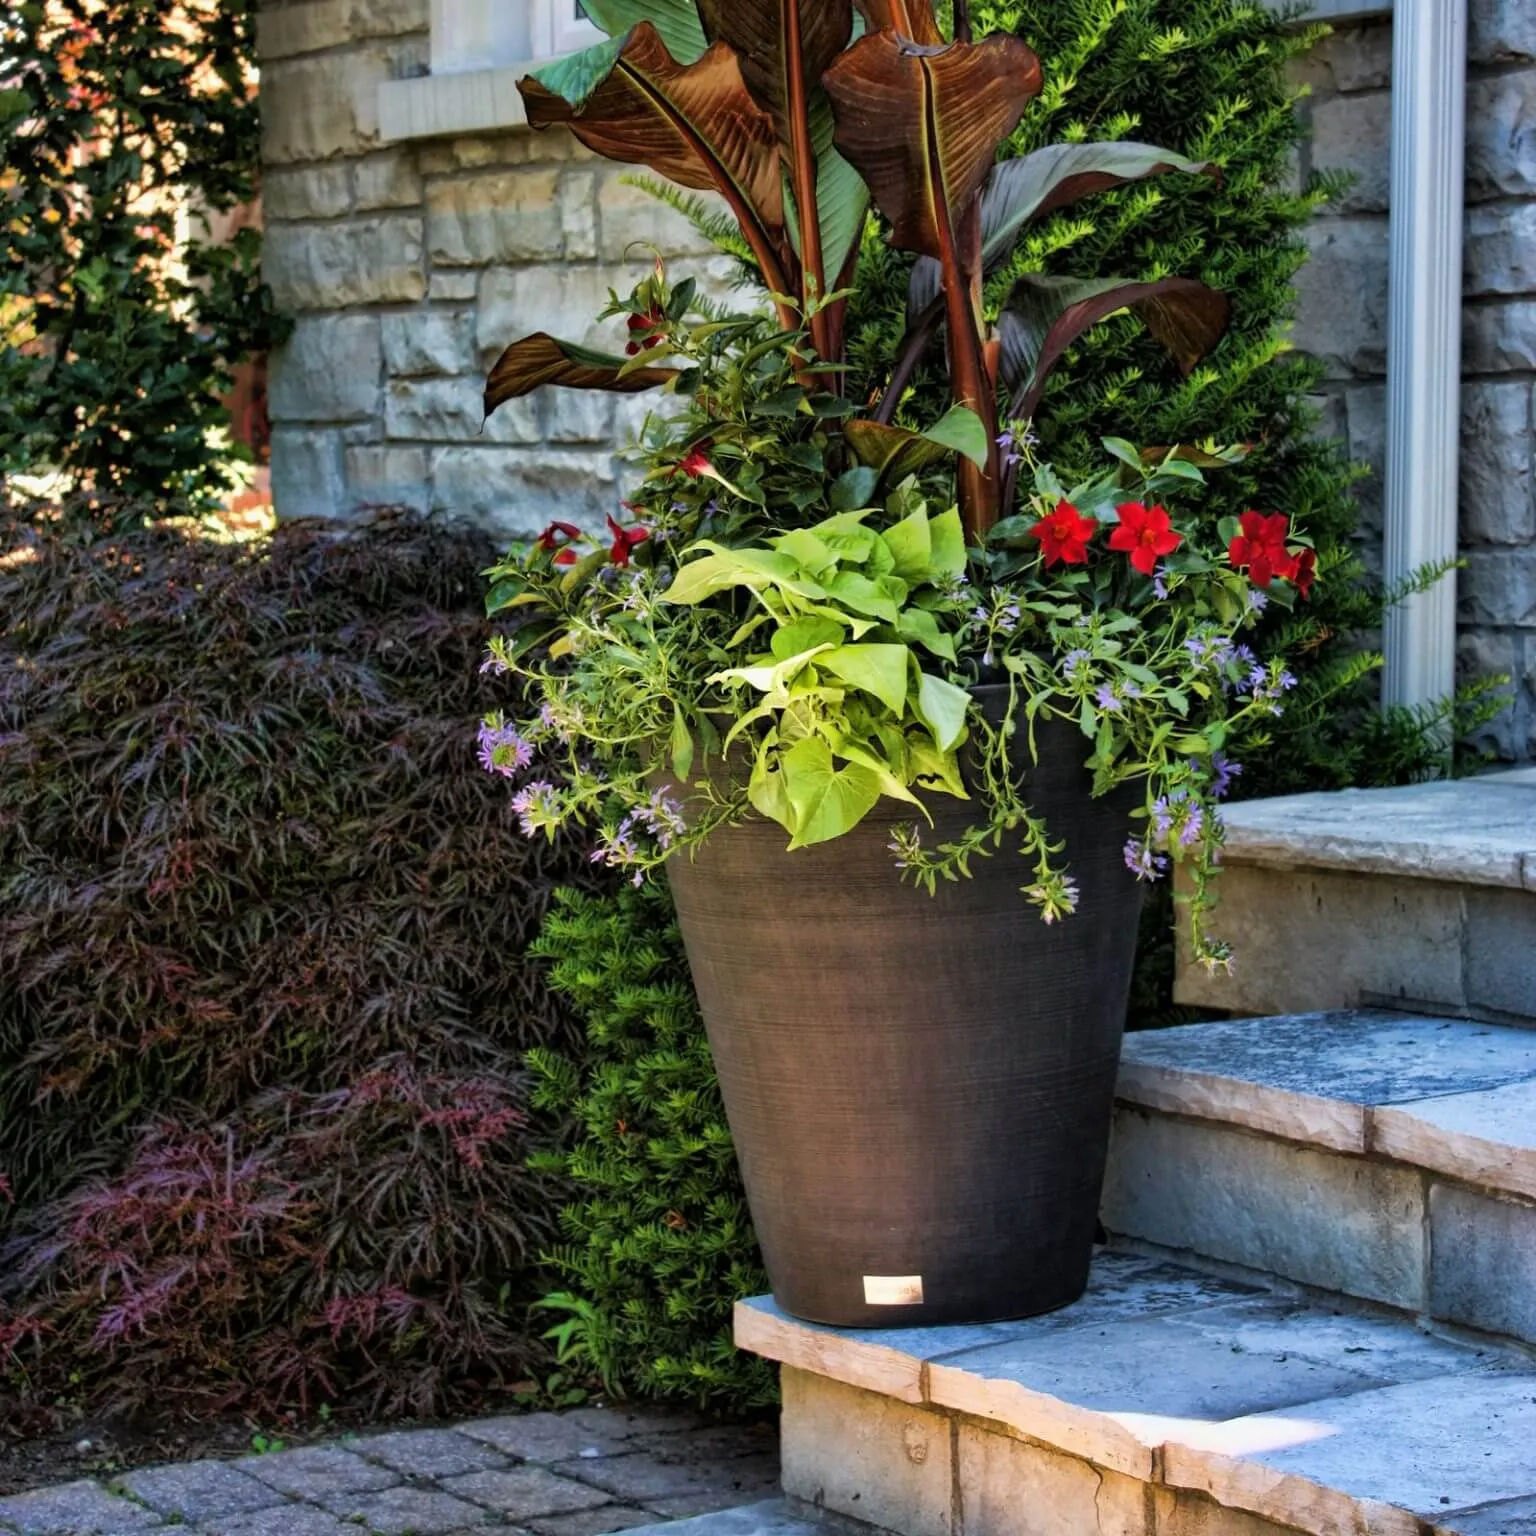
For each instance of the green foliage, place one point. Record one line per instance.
(659, 1245)
(805, 673)
(1206, 78)
(123, 124)
(264, 991)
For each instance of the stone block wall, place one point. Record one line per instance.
(407, 268)
(1342, 318)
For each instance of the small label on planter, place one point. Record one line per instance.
(893, 1290)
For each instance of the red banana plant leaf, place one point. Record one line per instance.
(922, 125)
(541, 359)
(696, 124)
(1045, 315)
(785, 47)
(1023, 190)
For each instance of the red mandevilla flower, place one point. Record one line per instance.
(696, 462)
(644, 331)
(557, 535)
(1306, 571)
(1145, 534)
(1065, 535)
(1260, 548)
(624, 541)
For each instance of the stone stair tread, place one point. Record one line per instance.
(1284, 1407)
(771, 1517)
(1479, 831)
(1450, 1095)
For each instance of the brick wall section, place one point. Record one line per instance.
(408, 268)
(1342, 313)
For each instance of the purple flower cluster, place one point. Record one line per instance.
(1073, 663)
(1176, 815)
(661, 817)
(1143, 861)
(1266, 686)
(1223, 771)
(1111, 697)
(502, 749)
(1004, 617)
(537, 806)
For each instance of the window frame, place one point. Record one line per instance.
(553, 35)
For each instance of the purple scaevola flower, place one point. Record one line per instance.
(503, 750)
(1142, 861)
(1194, 825)
(537, 806)
(1225, 771)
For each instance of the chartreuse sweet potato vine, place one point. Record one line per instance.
(778, 632)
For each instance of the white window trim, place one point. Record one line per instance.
(480, 50)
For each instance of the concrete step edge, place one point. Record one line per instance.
(1316, 1418)
(1450, 1096)
(1478, 831)
(769, 1517)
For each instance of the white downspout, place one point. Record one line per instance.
(1429, 74)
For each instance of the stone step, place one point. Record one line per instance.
(1377, 1155)
(1167, 1402)
(772, 1517)
(1421, 897)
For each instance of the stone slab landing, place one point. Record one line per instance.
(1421, 897)
(1167, 1402)
(1378, 1155)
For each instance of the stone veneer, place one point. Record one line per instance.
(408, 267)
(1342, 318)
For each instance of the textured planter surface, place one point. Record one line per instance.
(919, 1087)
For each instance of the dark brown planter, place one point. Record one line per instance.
(919, 1087)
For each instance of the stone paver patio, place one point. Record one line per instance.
(579, 1473)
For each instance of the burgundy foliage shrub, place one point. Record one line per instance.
(263, 985)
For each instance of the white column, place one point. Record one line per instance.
(1429, 68)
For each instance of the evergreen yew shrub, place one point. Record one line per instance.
(658, 1243)
(264, 984)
